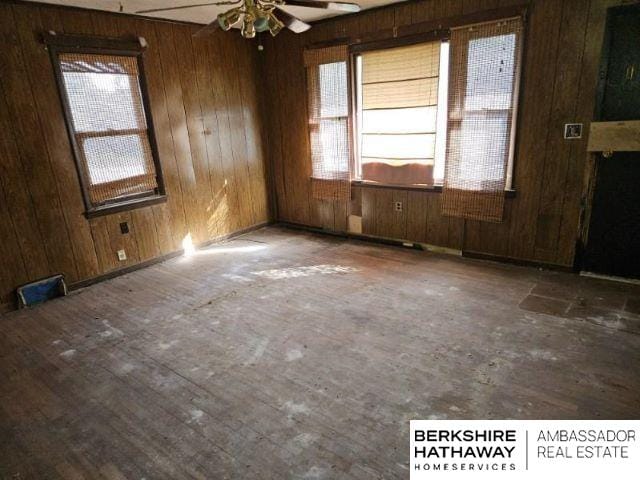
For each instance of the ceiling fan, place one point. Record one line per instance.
(261, 15)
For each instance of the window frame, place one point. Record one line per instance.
(347, 119)
(59, 44)
(437, 35)
(509, 188)
(440, 31)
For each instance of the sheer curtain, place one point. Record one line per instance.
(328, 107)
(484, 70)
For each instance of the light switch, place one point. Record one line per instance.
(572, 131)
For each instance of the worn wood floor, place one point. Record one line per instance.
(282, 354)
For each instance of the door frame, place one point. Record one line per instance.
(600, 11)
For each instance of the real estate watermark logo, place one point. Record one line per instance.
(514, 449)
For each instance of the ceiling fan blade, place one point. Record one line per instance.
(208, 29)
(292, 23)
(342, 6)
(152, 10)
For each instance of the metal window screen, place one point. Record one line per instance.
(482, 92)
(328, 102)
(109, 125)
(399, 111)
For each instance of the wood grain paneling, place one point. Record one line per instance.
(559, 75)
(206, 113)
(22, 108)
(564, 105)
(206, 97)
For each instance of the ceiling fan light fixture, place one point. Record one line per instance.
(262, 23)
(274, 24)
(229, 19)
(248, 29)
(259, 15)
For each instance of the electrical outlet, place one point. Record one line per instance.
(122, 255)
(398, 206)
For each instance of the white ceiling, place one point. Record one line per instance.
(201, 15)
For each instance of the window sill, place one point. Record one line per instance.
(420, 188)
(125, 206)
(413, 188)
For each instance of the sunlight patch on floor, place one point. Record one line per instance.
(187, 245)
(231, 249)
(295, 272)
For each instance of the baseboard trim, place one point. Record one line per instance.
(611, 278)
(355, 236)
(163, 258)
(308, 228)
(428, 247)
(516, 261)
(373, 239)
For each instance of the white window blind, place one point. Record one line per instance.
(399, 91)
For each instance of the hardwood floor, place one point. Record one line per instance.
(283, 354)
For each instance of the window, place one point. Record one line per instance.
(483, 95)
(329, 136)
(488, 93)
(439, 112)
(328, 108)
(109, 127)
(401, 113)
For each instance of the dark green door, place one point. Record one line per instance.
(613, 245)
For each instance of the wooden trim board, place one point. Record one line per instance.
(614, 136)
(168, 256)
(7, 307)
(429, 247)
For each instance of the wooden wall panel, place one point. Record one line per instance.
(274, 130)
(227, 86)
(250, 89)
(217, 81)
(368, 210)
(208, 125)
(19, 86)
(572, 37)
(13, 267)
(192, 113)
(18, 198)
(217, 207)
(297, 173)
(559, 74)
(416, 227)
(28, 21)
(181, 173)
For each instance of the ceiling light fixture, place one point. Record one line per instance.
(261, 15)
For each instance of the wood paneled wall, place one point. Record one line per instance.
(559, 78)
(205, 106)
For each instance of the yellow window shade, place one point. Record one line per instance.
(402, 63)
(404, 94)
